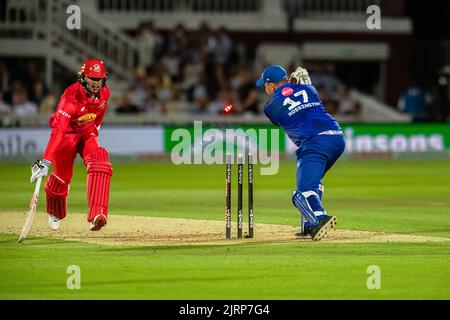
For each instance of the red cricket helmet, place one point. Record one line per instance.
(94, 68)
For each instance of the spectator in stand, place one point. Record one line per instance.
(177, 40)
(38, 92)
(126, 106)
(138, 93)
(48, 104)
(4, 77)
(331, 104)
(347, 105)
(207, 44)
(194, 66)
(21, 105)
(158, 97)
(200, 94)
(171, 63)
(246, 93)
(30, 77)
(162, 79)
(152, 106)
(165, 95)
(322, 76)
(149, 45)
(415, 101)
(222, 54)
(5, 108)
(207, 39)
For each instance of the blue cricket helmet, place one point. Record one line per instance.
(271, 74)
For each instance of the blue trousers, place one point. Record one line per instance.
(314, 158)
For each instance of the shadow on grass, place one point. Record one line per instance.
(11, 240)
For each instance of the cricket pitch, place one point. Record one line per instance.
(149, 231)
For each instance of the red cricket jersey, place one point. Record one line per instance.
(76, 113)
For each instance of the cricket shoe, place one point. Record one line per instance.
(53, 222)
(305, 234)
(305, 229)
(98, 222)
(325, 225)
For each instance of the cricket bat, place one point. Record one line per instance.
(31, 211)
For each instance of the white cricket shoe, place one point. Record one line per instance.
(98, 222)
(53, 222)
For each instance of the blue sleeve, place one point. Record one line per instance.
(268, 114)
(271, 120)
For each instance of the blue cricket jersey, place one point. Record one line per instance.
(297, 108)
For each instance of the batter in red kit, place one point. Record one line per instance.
(75, 127)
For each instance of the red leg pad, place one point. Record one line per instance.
(99, 172)
(56, 191)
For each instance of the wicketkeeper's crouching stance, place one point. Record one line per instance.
(75, 126)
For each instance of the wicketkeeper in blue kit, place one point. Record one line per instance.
(295, 106)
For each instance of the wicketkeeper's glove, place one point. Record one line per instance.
(39, 169)
(300, 76)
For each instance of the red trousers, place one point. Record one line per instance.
(99, 172)
(72, 144)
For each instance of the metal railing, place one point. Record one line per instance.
(301, 8)
(175, 6)
(46, 20)
(94, 39)
(21, 19)
(327, 8)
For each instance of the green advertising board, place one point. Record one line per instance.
(397, 138)
(360, 138)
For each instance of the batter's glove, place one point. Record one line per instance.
(39, 169)
(300, 76)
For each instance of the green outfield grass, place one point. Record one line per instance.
(408, 197)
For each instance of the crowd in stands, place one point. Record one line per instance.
(23, 91)
(199, 72)
(201, 67)
(334, 93)
(196, 66)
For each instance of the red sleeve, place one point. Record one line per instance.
(99, 119)
(60, 124)
(65, 111)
